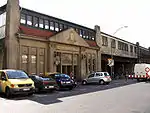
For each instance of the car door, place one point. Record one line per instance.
(0, 83)
(3, 81)
(90, 78)
(97, 77)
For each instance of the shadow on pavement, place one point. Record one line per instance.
(51, 98)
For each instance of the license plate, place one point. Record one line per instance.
(27, 89)
(68, 82)
(51, 86)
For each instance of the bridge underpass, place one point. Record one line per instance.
(121, 64)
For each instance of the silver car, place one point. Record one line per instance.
(98, 77)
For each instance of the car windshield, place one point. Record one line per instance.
(106, 74)
(42, 78)
(15, 74)
(47, 78)
(61, 76)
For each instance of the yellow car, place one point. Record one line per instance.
(15, 82)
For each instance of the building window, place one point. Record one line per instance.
(52, 26)
(86, 35)
(23, 19)
(113, 43)
(56, 27)
(119, 45)
(90, 35)
(24, 59)
(93, 36)
(61, 27)
(135, 49)
(126, 47)
(33, 59)
(29, 20)
(131, 48)
(81, 33)
(46, 24)
(41, 23)
(35, 22)
(104, 41)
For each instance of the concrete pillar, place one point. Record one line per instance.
(138, 52)
(12, 26)
(38, 63)
(98, 41)
(51, 58)
(73, 63)
(79, 76)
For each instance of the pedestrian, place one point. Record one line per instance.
(71, 75)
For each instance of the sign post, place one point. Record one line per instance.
(111, 64)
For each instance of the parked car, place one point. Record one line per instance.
(15, 82)
(43, 83)
(98, 77)
(63, 80)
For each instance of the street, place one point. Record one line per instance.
(118, 97)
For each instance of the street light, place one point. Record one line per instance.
(111, 47)
(119, 29)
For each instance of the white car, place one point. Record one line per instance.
(98, 77)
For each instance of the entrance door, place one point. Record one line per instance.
(69, 69)
(58, 68)
(66, 69)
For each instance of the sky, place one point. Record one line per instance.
(108, 14)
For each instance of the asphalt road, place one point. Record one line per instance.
(118, 97)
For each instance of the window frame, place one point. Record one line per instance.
(42, 23)
(34, 17)
(48, 24)
(104, 41)
(56, 23)
(29, 20)
(25, 18)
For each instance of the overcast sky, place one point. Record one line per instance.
(108, 14)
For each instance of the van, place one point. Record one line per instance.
(15, 82)
(142, 71)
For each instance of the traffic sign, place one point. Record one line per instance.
(110, 62)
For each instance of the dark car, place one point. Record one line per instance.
(63, 81)
(42, 83)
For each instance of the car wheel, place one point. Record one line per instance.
(101, 82)
(30, 94)
(58, 88)
(84, 82)
(107, 83)
(8, 93)
(70, 88)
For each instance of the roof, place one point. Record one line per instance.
(35, 32)
(91, 43)
(45, 34)
(117, 38)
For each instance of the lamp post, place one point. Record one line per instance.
(111, 48)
